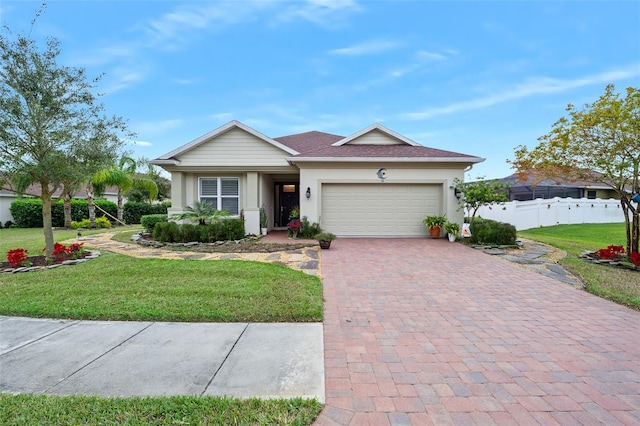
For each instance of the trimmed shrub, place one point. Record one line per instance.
(150, 220)
(103, 222)
(166, 232)
(27, 212)
(224, 230)
(133, 212)
(84, 223)
(485, 231)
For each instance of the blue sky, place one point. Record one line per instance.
(473, 77)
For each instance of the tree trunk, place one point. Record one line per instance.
(92, 207)
(120, 209)
(46, 221)
(67, 211)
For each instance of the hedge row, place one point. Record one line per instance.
(223, 230)
(27, 213)
(134, 211)
(486, 231)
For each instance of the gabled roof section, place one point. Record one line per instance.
(380, 128)
(309, 141)
(170, 157)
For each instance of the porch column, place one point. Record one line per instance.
(178, 192)
(251, 207)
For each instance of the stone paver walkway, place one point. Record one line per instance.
(536, 256)
(421, 331)
(305, 259)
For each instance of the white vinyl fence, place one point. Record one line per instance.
(554, 211)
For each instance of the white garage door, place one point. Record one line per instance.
(378, 209)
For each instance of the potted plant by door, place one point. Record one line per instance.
(434, 224)
(453, 230)
(264, 220)
(325, 238)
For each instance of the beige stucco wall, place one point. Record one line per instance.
(314, 175)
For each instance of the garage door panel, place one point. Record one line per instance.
(378, 209)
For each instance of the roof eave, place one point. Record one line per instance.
(165, 162)
(466, 160)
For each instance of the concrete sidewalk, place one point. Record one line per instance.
(115, 358)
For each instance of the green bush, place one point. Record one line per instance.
(171, 232)
(485, 231)
(27, 212)
(309, 230)
(84, 223)
(150, 220)
(188, 233)
(166, 232)
(103, 222)
(133, 212)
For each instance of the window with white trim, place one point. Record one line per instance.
(221, 193)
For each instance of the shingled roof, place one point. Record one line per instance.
(317, 145)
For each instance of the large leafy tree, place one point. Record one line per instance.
(599, 142)
(480, 193)
(49, 115)
(124, 177)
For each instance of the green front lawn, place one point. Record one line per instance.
(619, 285)
(32, 239)
(183, 410)
(117, 287)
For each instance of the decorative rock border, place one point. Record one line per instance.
(90, 255)
(590, 256)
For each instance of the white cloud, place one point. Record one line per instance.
(139, 143)
(120, 79)
(366, 48)
(157, 127)
(183, 81)
(531, 87)
(223, 116)
(423, 55)
(326, 13)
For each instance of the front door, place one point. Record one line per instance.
(288, 196)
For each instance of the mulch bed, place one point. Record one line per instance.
(42, 260)
(242, 246)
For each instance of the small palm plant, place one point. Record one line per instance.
(202, 212)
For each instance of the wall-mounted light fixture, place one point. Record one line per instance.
(457, 193)
(308, 193)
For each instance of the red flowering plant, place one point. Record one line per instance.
(61, 252)
(611, 252)
(17, 257)
(616, 254)
(294, 226)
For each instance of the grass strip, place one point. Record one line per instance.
(176, 410)
(619, 285)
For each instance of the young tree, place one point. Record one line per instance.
(48, 115)
(601, 143)
(124, 177)
(480, 193)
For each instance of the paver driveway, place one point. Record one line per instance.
(421, 331)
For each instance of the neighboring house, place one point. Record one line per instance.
(526, 190)
(372, 183)
(7, 197)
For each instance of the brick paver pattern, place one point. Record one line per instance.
(421, 331)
